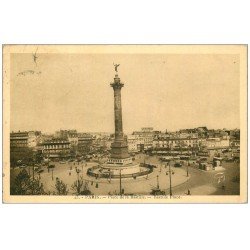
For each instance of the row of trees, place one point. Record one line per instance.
(25, 155)
(24, 184)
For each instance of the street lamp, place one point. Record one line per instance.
(120, 182)
(170, 172)
(33, 169)
(77, 171)
(187, 169)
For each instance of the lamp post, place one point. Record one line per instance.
(33, 171)
(170, 181)
(120, 182)
(78, 181)
(187, 169)
(170, 172)
(52, 176)
(158, 186)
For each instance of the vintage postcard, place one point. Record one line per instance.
(125, 123)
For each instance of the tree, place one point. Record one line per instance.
(20, 154)
(38, 157)
(24, 185)
(80, 187)
(61, 188)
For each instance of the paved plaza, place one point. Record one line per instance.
(198, 182)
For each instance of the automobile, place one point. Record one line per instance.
(157, 191)
(202, 159)
(176, 158)
(177, 165)
(166, 158)
(62, 162)
(40, 171)
(23, 166)
(217, 159)
(203, 166)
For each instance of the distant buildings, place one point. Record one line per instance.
(135, 143)
(175, 142)
(141, 140)
(23, 139)
(217, 143)
(56, 148)
(70, 143)
(23, 145)
(85, 142)
(70, 135)
(196, 138)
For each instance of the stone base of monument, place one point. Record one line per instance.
(114, 171)
(119, 162)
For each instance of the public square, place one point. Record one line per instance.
(198, 182)
(152, 151)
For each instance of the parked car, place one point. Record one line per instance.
(177, 165)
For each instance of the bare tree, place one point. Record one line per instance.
(61, 188)
(80, 187)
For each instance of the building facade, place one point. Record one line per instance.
(217, 143)
(145, 137)
(23, 139)
(70, 135)
(173, 143)
(135, 143)
(85, 142)
(56, 148)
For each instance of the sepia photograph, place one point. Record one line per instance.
(125, 123)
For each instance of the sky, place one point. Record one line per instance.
(164, 91)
